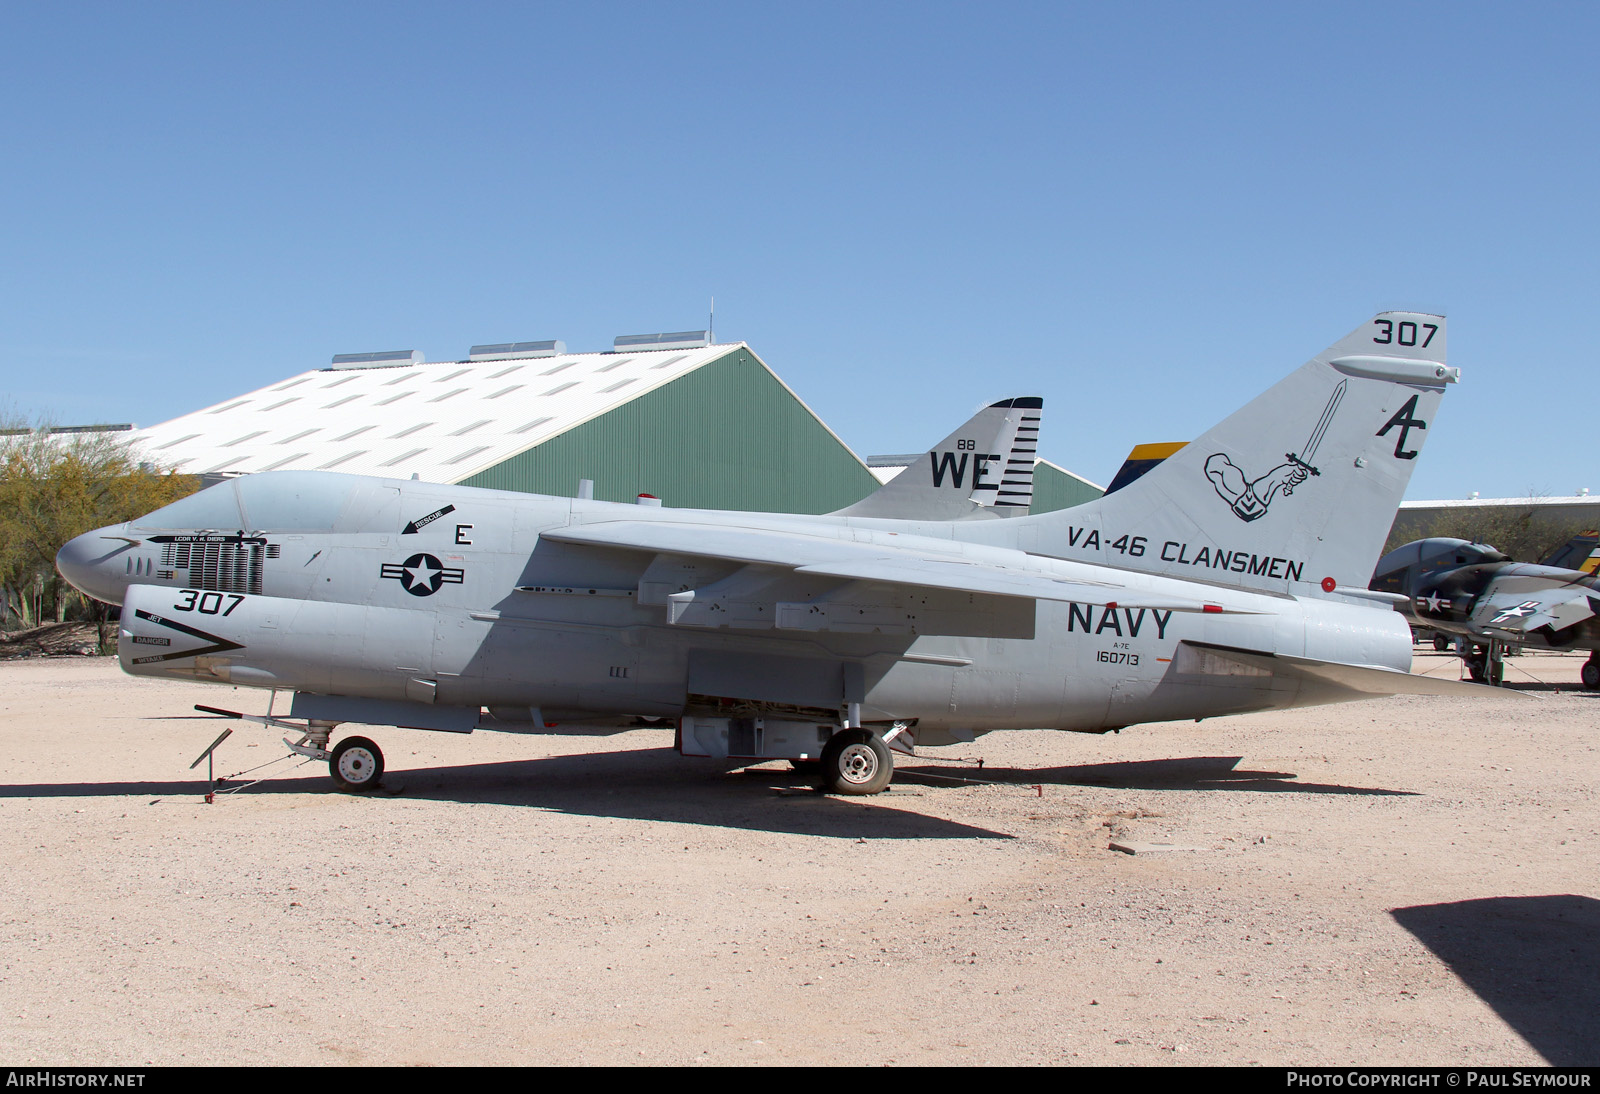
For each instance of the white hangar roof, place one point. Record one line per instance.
(443, 421)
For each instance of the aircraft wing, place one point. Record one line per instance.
(1520, 603)
(914, 565)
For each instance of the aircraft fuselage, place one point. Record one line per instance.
(447, 598)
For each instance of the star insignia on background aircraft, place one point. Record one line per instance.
(835, 640)
(1521, 611)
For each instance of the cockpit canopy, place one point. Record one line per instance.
(1398, 570)
(275, 501)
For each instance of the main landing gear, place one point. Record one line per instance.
(1486, 664)
(839, 760)
(1590, 673)
(855, 761)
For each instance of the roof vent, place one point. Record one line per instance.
(684, 339)
(394, 358)
(505, 351)
(18, 431)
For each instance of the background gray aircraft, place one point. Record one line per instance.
(1231, 577)
(1476, 593)
(983, 469)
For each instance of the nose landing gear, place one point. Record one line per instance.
(355, 763)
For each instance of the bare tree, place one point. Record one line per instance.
(1516, 530)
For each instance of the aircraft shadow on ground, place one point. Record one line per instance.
(1181, 773)
(1532, 958)
(648, 784)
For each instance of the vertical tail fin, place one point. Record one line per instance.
(1294, 493)
(1581, 552)
(985, 468)
(1141, 460)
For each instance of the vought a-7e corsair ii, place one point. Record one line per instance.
(1230, 578)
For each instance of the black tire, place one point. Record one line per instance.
(356, 764)
(1477, 668)
(1590, 674)
(855, 761)
(1441, 642)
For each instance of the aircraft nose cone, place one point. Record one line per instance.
(93, 563)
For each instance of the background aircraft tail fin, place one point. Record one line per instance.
(1140, 462)
(1294, 493)
(1581, 552)
(985, 468)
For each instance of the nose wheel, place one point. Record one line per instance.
(356, 764)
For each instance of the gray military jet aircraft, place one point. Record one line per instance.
(1490, 603)
(1230, 578)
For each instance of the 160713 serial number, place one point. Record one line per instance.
(1116, 657)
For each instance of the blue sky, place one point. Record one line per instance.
(1144, 212)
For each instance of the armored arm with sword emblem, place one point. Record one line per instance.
(1251, 499)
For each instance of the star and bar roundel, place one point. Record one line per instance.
(423, 574)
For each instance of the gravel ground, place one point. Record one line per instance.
(1405, 881)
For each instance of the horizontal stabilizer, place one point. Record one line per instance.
(1322, 681)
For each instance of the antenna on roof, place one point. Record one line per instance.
(711, 323)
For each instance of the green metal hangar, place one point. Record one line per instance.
(675, 416)
(695, 424)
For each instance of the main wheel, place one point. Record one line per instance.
(1478, 668)
(1590, 674)
(356, 764)
(855, 761)
(1441, 642)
